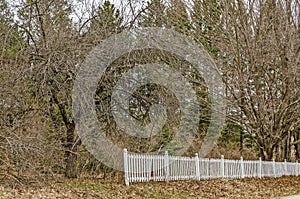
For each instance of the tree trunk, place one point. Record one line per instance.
(71, 149)
(267, 152)
(287, 147)
(297, 146)
(241, 143)
(280, 151)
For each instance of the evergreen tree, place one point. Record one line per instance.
(178, 17)
(154, 14)
(107, 21)
(10, 35)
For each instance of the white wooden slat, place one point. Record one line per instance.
(143, 168)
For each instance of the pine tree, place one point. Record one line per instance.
(154, 14)
(10, 34)
(107, 21)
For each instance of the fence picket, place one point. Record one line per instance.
(242, 168)
(143, 168)
(260, 168)
(166, 166)
(297, 168)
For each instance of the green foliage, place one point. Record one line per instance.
(154, 15)
(14, 41)
(107, 20)
(10, 35)
(174, 16)
(206, 20)
(233, 133)
(178, 18)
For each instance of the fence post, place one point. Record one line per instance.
(208, 169)
(197, 177)
(274, 168)
(242, 168)
(285, 167)
(166, 165)
(260, 168)
(222, 166)
(126, 167)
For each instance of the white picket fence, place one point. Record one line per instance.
(143, 168)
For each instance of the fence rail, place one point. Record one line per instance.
(144, 168)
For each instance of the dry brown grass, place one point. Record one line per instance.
(99, 188)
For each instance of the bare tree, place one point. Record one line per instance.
(257, 43)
